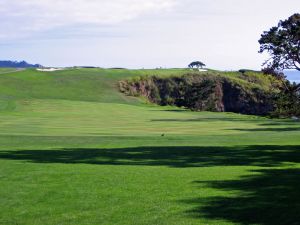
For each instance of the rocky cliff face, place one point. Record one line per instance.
(201, 93)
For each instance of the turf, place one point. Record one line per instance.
(73, 150)
(9, 70)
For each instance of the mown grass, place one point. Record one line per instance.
(73, 150)
(7, 70)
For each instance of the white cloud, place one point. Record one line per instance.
(222, 33)
(19, 17)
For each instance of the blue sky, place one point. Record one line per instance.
(139, 34)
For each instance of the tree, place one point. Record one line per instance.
(287, 102)
(275, 73)
(282, 42)
(197, 64)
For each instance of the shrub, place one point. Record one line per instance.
(287, 102)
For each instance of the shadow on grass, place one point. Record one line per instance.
(177, 110)
(260, 121)
(217, 119)
(282, 123)
(268, 198)
(273, 129)
(260, 155)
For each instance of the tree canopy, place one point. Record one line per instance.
(282, 42)
(196, 64)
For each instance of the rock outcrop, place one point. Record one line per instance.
(202, 93)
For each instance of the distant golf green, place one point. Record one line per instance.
(74, 150)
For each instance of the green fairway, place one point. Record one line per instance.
(73, 150)
(8, 70)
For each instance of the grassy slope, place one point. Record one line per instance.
(8, 70)
(75, 151)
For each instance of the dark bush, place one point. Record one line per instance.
(287, 102)
(275, 73)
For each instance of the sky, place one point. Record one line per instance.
(223, 34)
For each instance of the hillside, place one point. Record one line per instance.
(177, 87)
(96, 85)
(17, 64)
(75, 150)
(247, 93)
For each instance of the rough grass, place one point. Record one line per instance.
(75, 151)
(249, 80)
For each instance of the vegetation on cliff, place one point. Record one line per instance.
(248, 93)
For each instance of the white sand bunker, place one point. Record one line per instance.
(49, 69)
(200, 70)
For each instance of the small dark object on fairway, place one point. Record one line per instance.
(162, 135)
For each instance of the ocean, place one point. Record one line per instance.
(293, 75)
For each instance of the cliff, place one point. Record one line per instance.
(213, 91)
